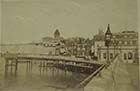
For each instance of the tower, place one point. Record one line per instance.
(56, 34)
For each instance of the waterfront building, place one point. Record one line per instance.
(56, 41)
(78, 46)
(52, 41)
(48, 41)
(98, 42)
(128, 54)
(125, 43)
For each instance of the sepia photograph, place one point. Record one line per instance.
(69, 45)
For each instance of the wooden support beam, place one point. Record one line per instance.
(16, 66)
(6, 66)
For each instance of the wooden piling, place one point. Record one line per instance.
(40, 67)
(16, 66)
(11, 65)
(31, 63)
(27, 68)
(6, 66)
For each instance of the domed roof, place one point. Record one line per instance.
(56, 31)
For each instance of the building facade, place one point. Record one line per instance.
(78, 46)
(98, 43)
(56, 42)
(125, 43)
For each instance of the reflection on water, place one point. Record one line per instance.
(38, 79)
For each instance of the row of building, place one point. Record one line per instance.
(125, 42)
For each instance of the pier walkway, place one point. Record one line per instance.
(66, 63)
(117, 77)
(47, 57)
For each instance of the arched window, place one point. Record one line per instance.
(125, 56)
(130, 55)
(131, 42)
(111, 55)
(125, 42)
(128, 42)
(120, 42)
(125, 36)
(104, 55)
(130, 36)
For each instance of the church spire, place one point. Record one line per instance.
(108, 29)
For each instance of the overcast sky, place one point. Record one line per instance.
(28, 20)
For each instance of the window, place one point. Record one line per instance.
(131, 36)
(125, 56)
(130, 55)
(125, 42)
(99, 55)
(114, 36)
(134, 42)
(111, 55)
(104, 55)
(128, 42)
(131, 42)
(120, 42)
(125, 36)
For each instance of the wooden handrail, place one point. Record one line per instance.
(83, 83)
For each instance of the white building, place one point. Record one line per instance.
(128, 54)
(125, 43)
(97, 44)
